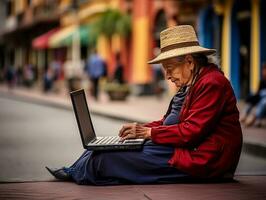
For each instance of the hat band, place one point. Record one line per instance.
(179, 45)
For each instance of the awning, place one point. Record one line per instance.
(64, 37)
(42, 41)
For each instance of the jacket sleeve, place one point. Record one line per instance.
(198, 119)
(154, 123)
(160, 122)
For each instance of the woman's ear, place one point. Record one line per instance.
(190, 61)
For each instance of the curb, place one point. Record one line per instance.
(54, 104)
(44, 102)
(255, 149)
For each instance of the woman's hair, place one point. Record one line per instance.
(200, 59)
(204, 60)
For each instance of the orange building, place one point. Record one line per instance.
(234, 27)
(149, 19)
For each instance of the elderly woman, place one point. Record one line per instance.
(199, 137)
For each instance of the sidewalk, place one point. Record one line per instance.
(244, 188)
(135, 109)
(141, 109)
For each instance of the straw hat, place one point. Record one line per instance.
(178, 41)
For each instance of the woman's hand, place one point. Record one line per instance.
(134, 130)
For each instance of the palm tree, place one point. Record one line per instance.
(112, 22)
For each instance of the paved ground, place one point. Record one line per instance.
(245, 188)
(33, 136)
(136, 109)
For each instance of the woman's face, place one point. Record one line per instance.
(179, 70)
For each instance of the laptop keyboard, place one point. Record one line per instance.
(108, 140)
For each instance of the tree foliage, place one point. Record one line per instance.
(111, 22)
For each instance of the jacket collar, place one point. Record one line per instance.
(206, 70)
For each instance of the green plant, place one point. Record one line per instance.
(113, 86)
(117, 91)
(112, 22)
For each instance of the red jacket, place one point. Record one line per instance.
(208, 138)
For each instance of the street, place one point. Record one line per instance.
(34, 136)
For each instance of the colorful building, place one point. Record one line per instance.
(23, 21)
(235, 28)
(238, 29)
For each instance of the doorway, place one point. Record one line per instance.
(159, 25)
(240, 55)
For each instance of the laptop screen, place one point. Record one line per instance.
(83, 116)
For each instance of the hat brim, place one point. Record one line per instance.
(180, 52)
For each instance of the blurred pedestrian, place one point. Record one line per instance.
(20, 76)
(256, 101)
(55, 68)
(28, 75)
(48, 80)
(95, 68)
(73, 74)
(119, 70)
(203, 142)
(10, 75)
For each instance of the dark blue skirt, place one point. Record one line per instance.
(150, 165)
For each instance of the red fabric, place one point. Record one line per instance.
(42, 41)
(208, 139)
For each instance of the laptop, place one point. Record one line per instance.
(88, 136)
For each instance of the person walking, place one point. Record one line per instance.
(119, 70)
(95, 68)
(10, 75)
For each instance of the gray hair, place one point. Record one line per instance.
(204, 60)
(215, 59)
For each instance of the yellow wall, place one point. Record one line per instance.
(140, 50)
(225, 62)
(36, 2)
(255, 46)
(64, 4)
(116, 43)
(103, 47)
